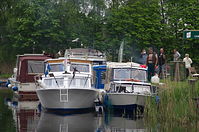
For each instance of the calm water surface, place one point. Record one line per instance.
(25, 116)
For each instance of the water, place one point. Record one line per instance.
(26, 116)
(6, 119)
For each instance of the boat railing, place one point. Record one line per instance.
(84, 55)
(88, 57)
(63, 82)
(131, 88)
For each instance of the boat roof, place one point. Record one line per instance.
(62, 59)
(33, 57)
(124, 65)
(99, 67)
(55, 60)
(79, 61)
(86, 54)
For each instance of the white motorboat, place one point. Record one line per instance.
(126, 85)
(69, 89)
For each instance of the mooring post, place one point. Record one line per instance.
(192, 83)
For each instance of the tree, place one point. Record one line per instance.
(139, 21)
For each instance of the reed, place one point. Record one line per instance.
(176, 105)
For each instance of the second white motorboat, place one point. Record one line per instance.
(126, 86)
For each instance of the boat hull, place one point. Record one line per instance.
(78, 99)
(126, 100)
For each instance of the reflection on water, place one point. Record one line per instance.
(121, 124)
(24, 116)
(28, 118)
(71, 123)
(88, 122)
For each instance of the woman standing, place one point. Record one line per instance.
(188, 63)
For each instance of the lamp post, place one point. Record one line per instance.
(33, 48)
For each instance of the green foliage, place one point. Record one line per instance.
(28, 25)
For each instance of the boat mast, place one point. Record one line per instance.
(120, 55)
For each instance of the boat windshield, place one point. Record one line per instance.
(69, 83)
(56, 67)
(35, 67)
(80, 67)
(78, 83)
(52, 82)
(129, 73)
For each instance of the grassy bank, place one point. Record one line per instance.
(176, 106)
(5, 76)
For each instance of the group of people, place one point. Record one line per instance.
(156, 62)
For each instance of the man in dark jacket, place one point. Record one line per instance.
(161, 62)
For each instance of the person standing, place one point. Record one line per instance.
(188, 63)
(151, 63)
(161, 62)
(143, 57)
(176, 55)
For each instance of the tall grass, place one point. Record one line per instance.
(176, 105)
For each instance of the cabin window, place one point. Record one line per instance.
(52, 82)
(80, 67)
(138, 74)
(56, 67)
(141, 88)
(121, 74)
(79, 82)
(35, 67)
(124, 89)
(124, 74)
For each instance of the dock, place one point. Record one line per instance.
(3, 82)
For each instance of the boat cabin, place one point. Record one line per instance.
(29, 65)
(67, 72)
(95, 56)
(99, 74)
(121, 77)
(55, 65)
(126, 78)
(68, 65)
